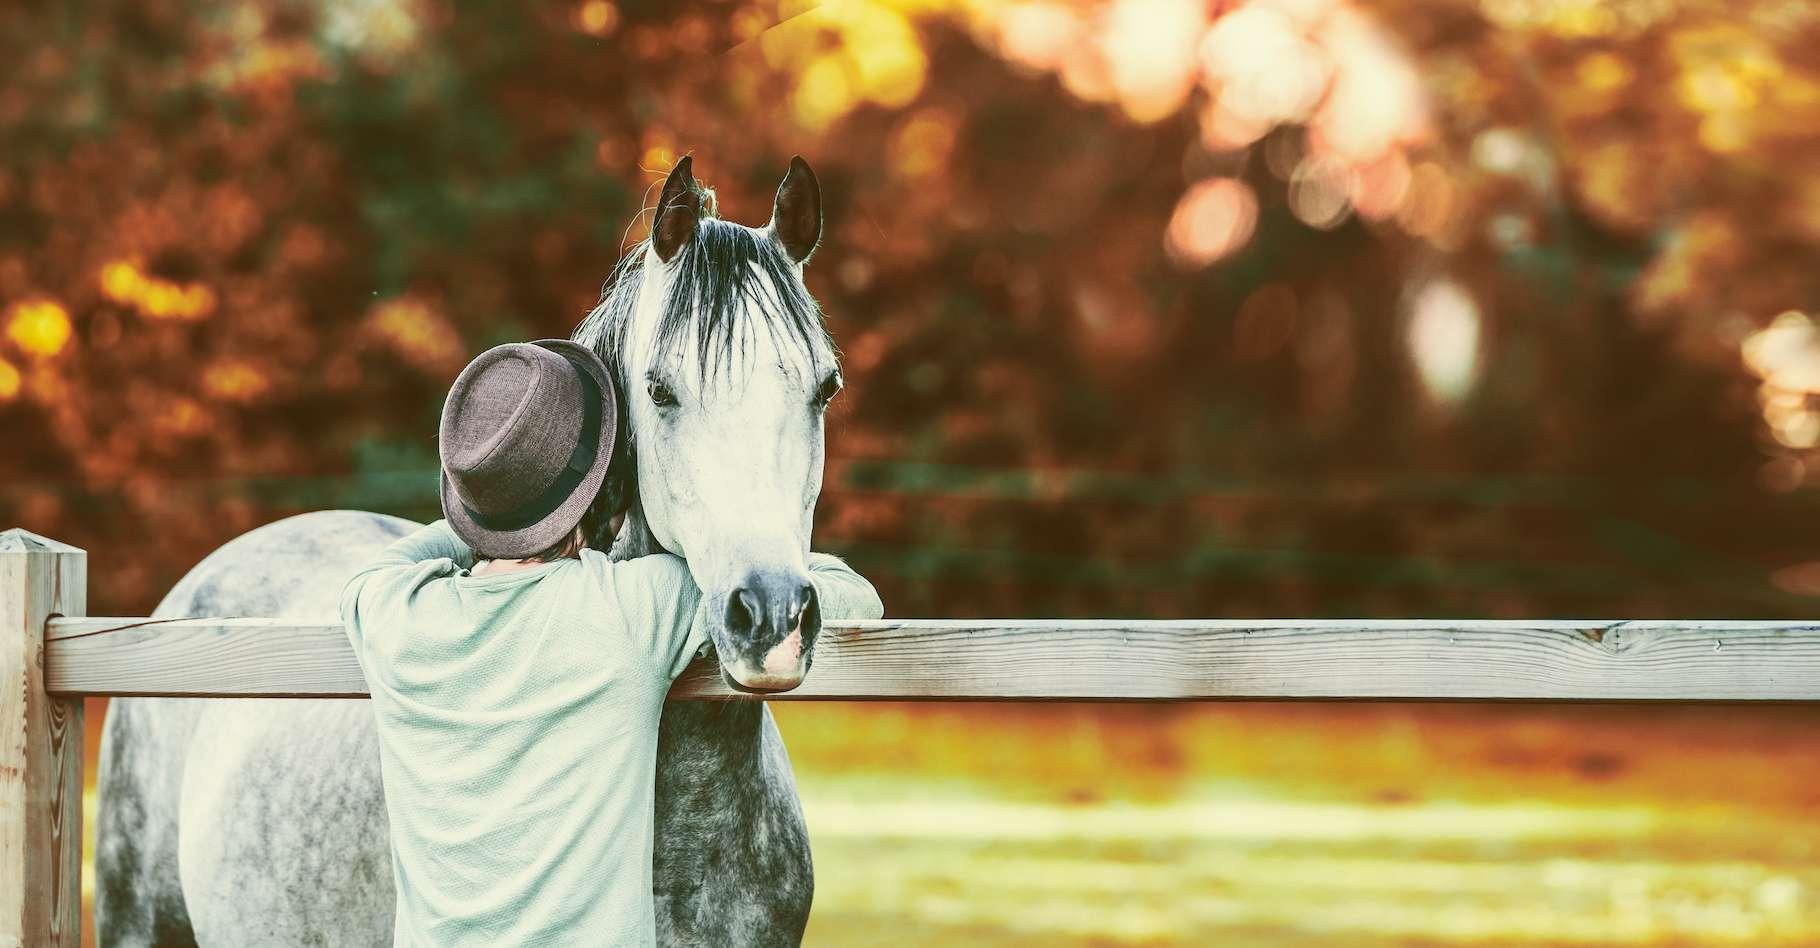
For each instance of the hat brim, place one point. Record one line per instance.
(540, 536)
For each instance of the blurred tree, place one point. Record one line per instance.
(1151, 307)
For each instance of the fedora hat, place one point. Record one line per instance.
(526, 438)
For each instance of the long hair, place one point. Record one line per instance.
(567, 548)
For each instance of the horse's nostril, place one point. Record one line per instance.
(742, 611)
(765, 608)
(801, 604)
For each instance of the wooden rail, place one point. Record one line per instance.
(1039, 660)
(51, 657)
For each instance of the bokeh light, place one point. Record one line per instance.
(1444, 339)
(1214, 218)
(123, 281)
(596, 17)
(1786, 356)
(412, 328)
(1149, 47)
(38, 327)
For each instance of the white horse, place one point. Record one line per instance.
(229, 822)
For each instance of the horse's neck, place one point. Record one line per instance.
(635, 538)
(701, 739)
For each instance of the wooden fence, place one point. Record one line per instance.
(52, 656)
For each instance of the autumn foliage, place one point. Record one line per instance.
(1149, 307)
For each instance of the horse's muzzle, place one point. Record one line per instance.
(771, 621)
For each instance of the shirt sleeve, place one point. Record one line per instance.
(399, 565)
(659, 605)
(692, 640)
(664, 611)
(842, 593)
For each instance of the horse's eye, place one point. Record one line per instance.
(661, 395)
(829, 388)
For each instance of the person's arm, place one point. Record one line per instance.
(660, 608)
(658, 597)
(842, 593)
(430, 544)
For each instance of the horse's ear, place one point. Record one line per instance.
(678, 211)
(796, 219)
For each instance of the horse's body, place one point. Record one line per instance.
(261, 822)
(233, 822)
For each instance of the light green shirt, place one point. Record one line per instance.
(517, 719)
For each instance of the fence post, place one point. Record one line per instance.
(40, 748)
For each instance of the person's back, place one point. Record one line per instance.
(518, 718)
(518, 695)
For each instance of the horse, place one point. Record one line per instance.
(237, 822)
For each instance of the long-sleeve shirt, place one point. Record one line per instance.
(517, 716)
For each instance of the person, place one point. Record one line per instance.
(518, 677)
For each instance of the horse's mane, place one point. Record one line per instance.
(721, 267)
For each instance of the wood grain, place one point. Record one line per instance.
(225, 658)
(1037, 660)
(40, 748)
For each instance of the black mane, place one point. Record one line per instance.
(722, 267)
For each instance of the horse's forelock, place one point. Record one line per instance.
(713, 278)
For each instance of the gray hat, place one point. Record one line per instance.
(527, 436)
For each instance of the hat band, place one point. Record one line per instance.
(581, 460)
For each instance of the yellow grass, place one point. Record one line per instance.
(1293, 825)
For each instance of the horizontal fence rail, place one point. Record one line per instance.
(1035, 660)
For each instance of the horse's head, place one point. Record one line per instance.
(725, 370)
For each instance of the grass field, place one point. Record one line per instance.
(1293, 825)
(1001, 825)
